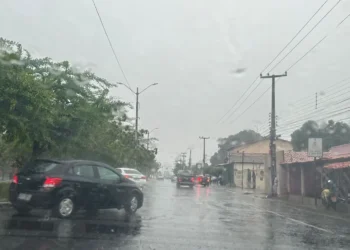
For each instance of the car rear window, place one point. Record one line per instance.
(131, 171)
(39, 167)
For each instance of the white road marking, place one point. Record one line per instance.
(298, 221)
(287, 218)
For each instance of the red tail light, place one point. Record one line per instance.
(143, 177)
(15, 179)
(179, 179)
(127, 176)
(192, 179)
(52, 182)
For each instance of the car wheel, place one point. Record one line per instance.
(64, 208)
(132, 204)
(22, 209)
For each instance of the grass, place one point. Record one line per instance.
(4, 191)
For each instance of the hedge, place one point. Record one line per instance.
(4, 190)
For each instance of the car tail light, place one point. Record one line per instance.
(52, 182)
(15, 179)
(192, 179)
(127, 176)
(143, 177)
(179, 179)
(208, 180)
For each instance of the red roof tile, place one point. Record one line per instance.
(291, 156)
(337, 165)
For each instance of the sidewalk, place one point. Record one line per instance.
(310, 206)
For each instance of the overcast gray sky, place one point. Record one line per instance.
(192, 49)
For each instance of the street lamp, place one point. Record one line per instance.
(137, 93)
(148, 132)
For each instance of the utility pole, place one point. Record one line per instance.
(148, 132)
(137, 115)
(316, 101)
(242, 167)
(273, 128)
(204, 138)
(183, 155)
(190, 160)
(137, 93)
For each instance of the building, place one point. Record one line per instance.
(254, 159)
(304, 177)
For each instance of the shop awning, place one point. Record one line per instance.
(337, 165)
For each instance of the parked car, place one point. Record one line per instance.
(67, 186)
(185, 178)
(134, 175)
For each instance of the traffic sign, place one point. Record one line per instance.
(314, 148)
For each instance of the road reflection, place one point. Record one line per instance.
(57, 233)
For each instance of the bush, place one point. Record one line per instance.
(4, 190)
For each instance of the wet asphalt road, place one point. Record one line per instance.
(198, 218)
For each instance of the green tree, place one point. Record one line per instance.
(333, 134)
(243, 137)
(50, 109)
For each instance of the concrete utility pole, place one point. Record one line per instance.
(137, 93)
(183, 155)
(137, 115)
(148, 132)
(242, 167)
(273, 128)
(190, 160)
(204, 138)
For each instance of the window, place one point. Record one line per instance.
(40, 166)
(131, 171)
(82, 170)
(107, 174)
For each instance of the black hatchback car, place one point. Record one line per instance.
(67, 186)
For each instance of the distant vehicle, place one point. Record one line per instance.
(160, 176)
(67, 186)
(134, 175)
(203, 180)
(185, 178)
(173, 178)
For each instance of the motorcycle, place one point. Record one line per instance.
(329, 198)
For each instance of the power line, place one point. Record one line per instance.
(244, 100)
(301, 58)
(295, 35)
(302, 28)
(302, 112)
(301, 122)
(316, 43)
(238, 99)
(311, 97)
(280, 61)
(110, 43)
(251, 105)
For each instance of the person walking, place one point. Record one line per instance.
(254, 179)
(249, 178)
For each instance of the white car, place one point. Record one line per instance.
(133, 175)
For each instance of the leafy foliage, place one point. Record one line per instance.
(333, 134)
(50, 109)
(243, 137)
